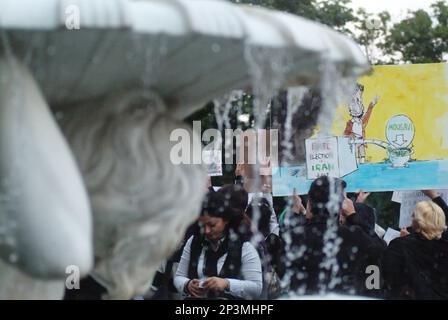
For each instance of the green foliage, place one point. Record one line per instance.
(208, 120)
(388, 212)
(371, 31)
(421, 38)
(334, 13)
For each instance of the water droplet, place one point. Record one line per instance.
(216, 48)
(51, 50)
(13, 258)
(163, 50)
(129, 55)
(58, 116)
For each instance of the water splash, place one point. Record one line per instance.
(294, 101)
(336, 89)
(9, 197)
(154, 54)
(222, 107)
(11, 194)
(267, 70)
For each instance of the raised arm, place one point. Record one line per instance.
(366, 117)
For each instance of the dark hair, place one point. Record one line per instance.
(234, 196)
(319, 195)
(215, 205)
(367, 216)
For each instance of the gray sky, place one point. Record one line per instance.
(396, 8)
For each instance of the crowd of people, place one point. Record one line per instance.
(238, 249)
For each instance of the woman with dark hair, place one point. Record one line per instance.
(235, 196)
(218, 262)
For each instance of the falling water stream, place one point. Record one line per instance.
(267, 72)
(336, 90)
(10, 193)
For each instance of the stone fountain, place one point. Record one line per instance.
(89, 93)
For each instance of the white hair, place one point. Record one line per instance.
(141, 202)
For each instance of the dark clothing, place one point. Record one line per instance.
(274, 248)
(89, 289)
(416, 268)
(270, 251)
(291, 221)
(239, 180)
(442, 204)
(232, 264)
(162, 285)
(365, 217)
(356, 251)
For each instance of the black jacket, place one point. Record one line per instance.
(356, 251)
(416, 268)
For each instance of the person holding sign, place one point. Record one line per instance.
(415, 266)
(326, 201)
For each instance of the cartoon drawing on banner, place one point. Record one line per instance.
(398, 142)
(356, 126)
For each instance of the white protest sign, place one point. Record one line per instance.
(330, 156)
(408, 202)
(213, 160)
(390, 235)
(379, 231)
(397, 196)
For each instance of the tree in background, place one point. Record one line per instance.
(371, 32)
(420, 38)
(334, 13)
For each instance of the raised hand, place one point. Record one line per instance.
(347, 207)
(431, 193)
(403, 232)
(297, 206)
(239, 170)
(375, 100)
(362, 196)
